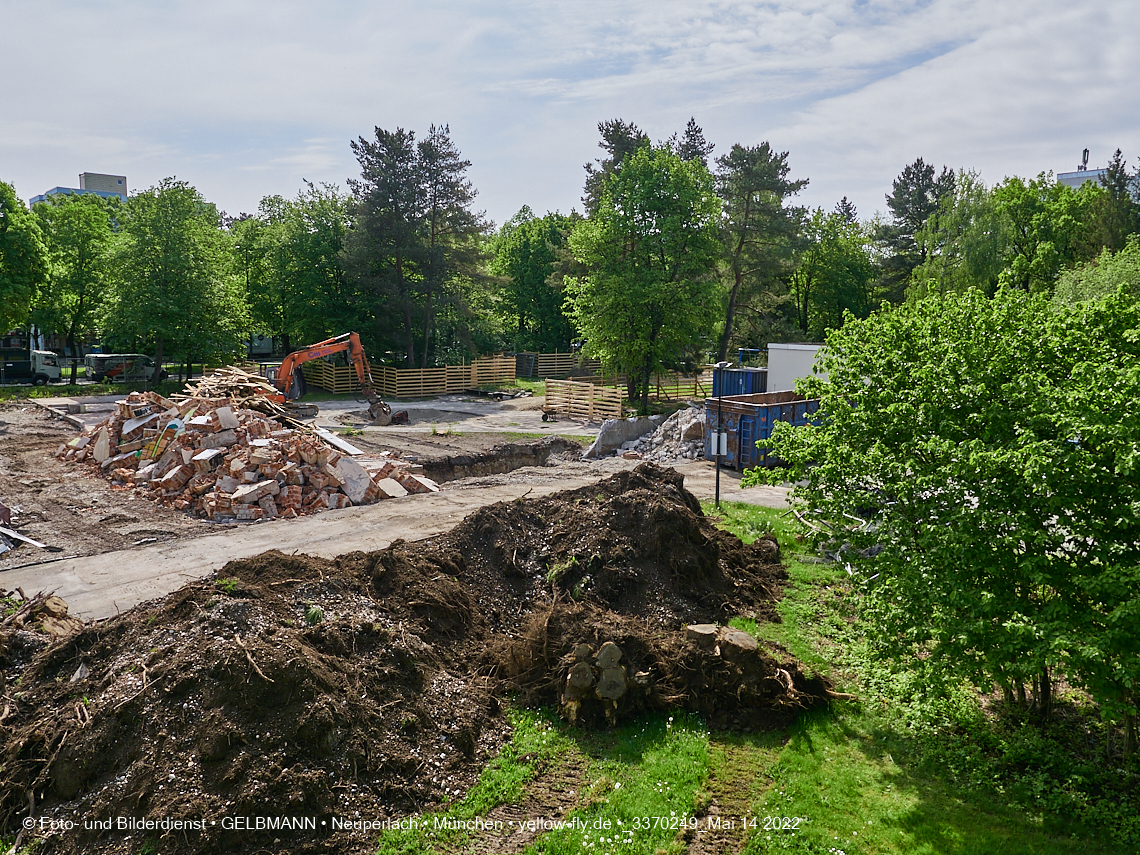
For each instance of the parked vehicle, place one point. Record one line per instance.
(38, 366)
(125, 367)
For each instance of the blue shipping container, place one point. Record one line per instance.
(749, 419)
(739, 381)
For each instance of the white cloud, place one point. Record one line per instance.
(245, 99)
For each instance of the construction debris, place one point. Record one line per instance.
(221, 452)
(681, 436)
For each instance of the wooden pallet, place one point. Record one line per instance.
(583, 400)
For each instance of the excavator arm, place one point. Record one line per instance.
(291, 382)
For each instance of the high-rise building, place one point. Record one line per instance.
(90, 182)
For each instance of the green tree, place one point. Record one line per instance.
(833, 274)
(962, 242)
(23, 259)
(651, 249)
(1103, 276)
(1116, 213)
(525, 252)
(915, 195)
(416, 241)
(982, 444)
(1046, 229)
(620, 140)
(78, 232)
(760, 229)
(175, 288)
(290, 258)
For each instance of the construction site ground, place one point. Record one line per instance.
(108, 550)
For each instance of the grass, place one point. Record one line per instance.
(909, 769)
(913, 767)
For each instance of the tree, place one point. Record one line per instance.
(620, 140)
(23, 259)
(1046, 229)
(915, 195)
(525, 252)
(175, 288)
(650, 250)
(416, 239)
(962, 243)
(78, 233)
(1116, 214)
(289, 257)
(1103, 276)
(982, 445)
(833, 274)
(692, 144)
(759, 229)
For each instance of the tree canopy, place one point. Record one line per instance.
(981, 446)
(79, 234)
(416, 239)
(23, 259)
(525, 252)
(174, 286)
(650, 251)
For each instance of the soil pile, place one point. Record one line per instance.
(368, 686)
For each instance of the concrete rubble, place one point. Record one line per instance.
(680, 437)
(223, 461)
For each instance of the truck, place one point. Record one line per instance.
(126, 367)
(38, 366)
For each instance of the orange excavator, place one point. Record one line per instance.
(291, 382)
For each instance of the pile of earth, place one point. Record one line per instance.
(370, 686)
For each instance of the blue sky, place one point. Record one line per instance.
(246, 99)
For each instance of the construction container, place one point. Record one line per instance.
(739, 381)
(748, 419)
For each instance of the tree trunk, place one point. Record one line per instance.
(1020, 685)
(1045, 694)
(726, 337)
(156, 378)
(1129, 735)
(427, 330)
(74, 356)
(409, 341)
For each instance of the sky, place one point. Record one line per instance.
(246, 99)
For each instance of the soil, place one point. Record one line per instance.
(77, 513)
(58, 504)
(371, 685)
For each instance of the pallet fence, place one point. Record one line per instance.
(412, 382)
(583, 400)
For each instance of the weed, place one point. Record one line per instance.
(350, 432)
(229, 586)
(559, 569)
(314, 614)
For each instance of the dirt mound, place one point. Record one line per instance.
(367, 687)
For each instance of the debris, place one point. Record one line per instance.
(44, 612)
(236, 456)
(680, 437)
(7, 532)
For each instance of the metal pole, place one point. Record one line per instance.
(719, 375)
(719, 399)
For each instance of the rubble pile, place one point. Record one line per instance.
(224, 461)
(681, 436)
